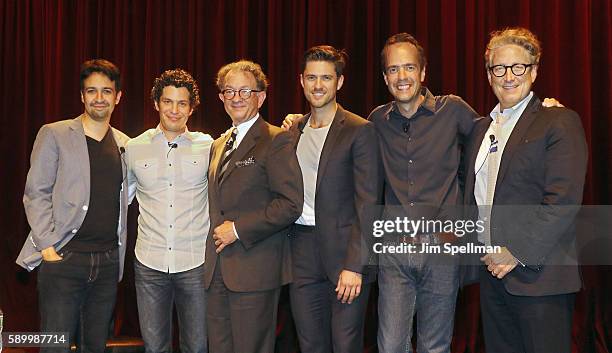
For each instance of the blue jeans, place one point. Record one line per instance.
(80, 288)
(423, 283)
(156, 293)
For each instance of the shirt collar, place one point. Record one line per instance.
(244, 127)
(514, 111)
(428, 105)
(157, 133)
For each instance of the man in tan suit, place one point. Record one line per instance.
(255, 194)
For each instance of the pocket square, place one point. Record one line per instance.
(246, 162)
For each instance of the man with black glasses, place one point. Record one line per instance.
(255, 194)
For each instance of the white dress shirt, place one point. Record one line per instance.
(171, 186)
(510, 118)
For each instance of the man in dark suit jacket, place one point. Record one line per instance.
(338, 155)
(529, 164)
(255, 194)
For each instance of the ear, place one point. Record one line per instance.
(261, 97)
(534, 73)
(156, 105)
(221, 97)
(423, 73)
(82, 97)
(118, 98)
(340, 82)
(489, 77)
(302, 80)
(385, 78)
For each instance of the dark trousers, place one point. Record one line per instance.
(322, 322)
(522, 324)
(240, 322)
(80, 288)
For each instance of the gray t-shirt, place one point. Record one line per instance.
(308, 153)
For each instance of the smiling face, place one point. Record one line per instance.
(240, 109)
(403, 74)
(511, 89)
(99, 96)
(174, 110)
(320, 83)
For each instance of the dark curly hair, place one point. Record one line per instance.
(177, 78)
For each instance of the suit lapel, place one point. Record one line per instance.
(248, 142)
(120, 144)
(477, 137)
(79, 149)
(517, 135)
(330, 141)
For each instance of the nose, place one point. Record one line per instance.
(402, 73)
(99, 96)
(175, 108)
(509, 76)
(317, 83)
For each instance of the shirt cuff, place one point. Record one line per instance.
(235, 232)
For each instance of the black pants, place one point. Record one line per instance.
(522, 324)
(322, 322)
(80, 288)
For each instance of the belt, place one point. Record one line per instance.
(433, 239)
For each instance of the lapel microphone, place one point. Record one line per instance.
(171, 145)
(492, 148)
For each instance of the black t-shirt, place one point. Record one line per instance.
(99, 229)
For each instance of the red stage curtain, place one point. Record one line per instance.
(43, 43)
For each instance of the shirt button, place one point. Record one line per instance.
(85, 208)
(410, 161)
(412, 204)
(411, 182)
(170, 205)
(169, 248)
(169, 164)
(409, 138)
(170, 184)
(74, 231)
(171, 226)
(222, 213)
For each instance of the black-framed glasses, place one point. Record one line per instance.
(517, 69)
(244, 93)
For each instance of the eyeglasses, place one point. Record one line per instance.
(517, 69)
(244, 93)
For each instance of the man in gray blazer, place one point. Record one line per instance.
(76, 203)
